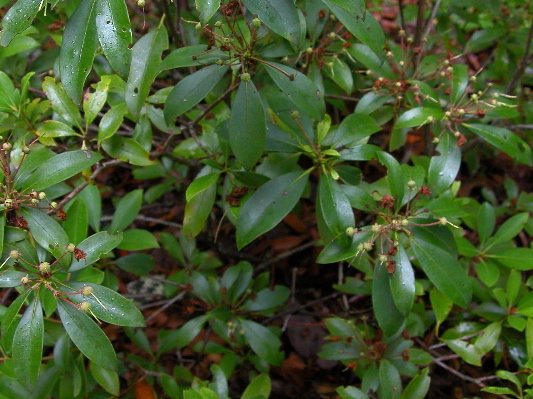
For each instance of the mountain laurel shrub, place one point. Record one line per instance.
(264, 106)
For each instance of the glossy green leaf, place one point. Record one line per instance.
(184, 335)
(418, 387)
(146, 57)
(300, 90)
(108, 379)
(261, 339)
(354, 127)
(61, 103)
(468, 352)
(111, 121)
(364, 54)
(127, 150)
(87, 336)
(28, 344)
(389, 318)
(515, 258)
(266, 299)
(200, 197)
(191, 90)
(207, 9)
(11, 278)
(107, 304)
(54, 129)
(444, 168)
(441, 304)
(77, 224)
(505, 140)
(334, 205)
(60, 168)
(137, 240)
(91, 196)
(18, 18)
(268, 206)
(488, 338)
(47, 232)
(486, 221)
(114, 33)
(78, 49)
(236, 280)
(509, 229)
(94, 101)
(9, 96)
(9, 318)
(402, 282)
(459, 82)
(247, 125)
(351, 392)
(363, 27)
(443, 269)
(259, 388)
(94, 247)
(395, 177)
(195, 55)
(390, 383)
(279, 15)
(339, 250)
(418, 116)
(126, 210)
(341, 74)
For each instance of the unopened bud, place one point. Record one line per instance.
(24, 280)
(309, 50)
(44, 267)
(332, 35)
(350, 231)
(71, 247)
(411, 184)
(218, 24)
(53, 205)
(382, 258)
(295, 114)
(405, 222)
(256, 22)
(443, 221)
(14, 254)
(375, 228)
(85, 306)
(8, 203)
(87, 291)
(26, 149)
(42, 195)
(245, 77)
(141, 3)
(6, 146)
(436, 140)
(367, 246)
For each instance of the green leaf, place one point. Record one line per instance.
(47, 232)
(365, 27)
(60, 168)
(28, 344)
(402, 282)
(339, 250)
(468, 352)
(191, 90)
(459, 82)
(126, 210)
(207, 8)
(95, 247)
(353, 128)
(351, 392)
(509, 229)
(247, 125)
(262, 340)
(127, 150)
(9, 96)
(279, 15)
(108, 379)
(10, 317)
(389, 318)
(78, 49)
(77, 224)
(266, 299)
(356, 7)
(111, 121)
(365, 55)
(189, 56)
(93, 200)
(418, 117)
(200, 198)
(87, 336)
(441, 304)
(146, 57)
(107, 305)
(395, 178)
(488, 338)
(341, 74)
(94, 101)
(442, 268)
(53, 129)
(301, 91)
(61, 103)
(486, 221)
(390, 383)
(515, 258)
(259, 388)
(11, 278)
(114, 33)
(19, 17)
(183, 336)
(334, 205)
(268, 206)
(137, 240)
(236, 280)
(418, 387)
(504, 140)
(444, 168)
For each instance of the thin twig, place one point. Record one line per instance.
(284, 255)
(458, 373)
(523, 63)
(424, 36)
(525, 126)
(76, 190)
(165, 306)
(142, 218)
(402, 19)
(301, 307)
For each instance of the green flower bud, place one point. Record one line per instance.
(141, 3)
(42, 195)
(350, 231)
(382, 258)
(44, 267)
(411, 184)
(71, 247)
(85, 307)
(53, 205)
(256, 22)
(295, 114)
(14, 254)
(245, 77)
(87, 291)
